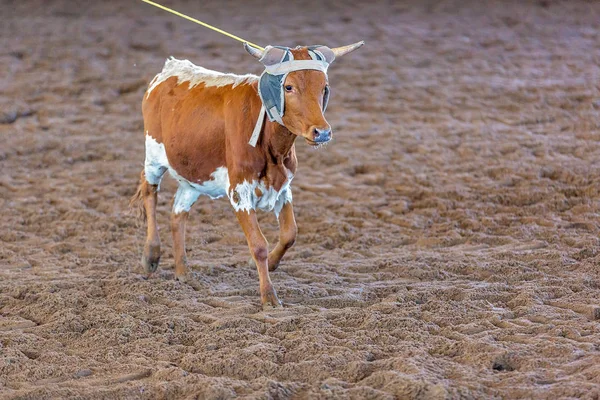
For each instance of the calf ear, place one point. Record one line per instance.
(326, 52)
(272, 55)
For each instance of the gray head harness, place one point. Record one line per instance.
(279, 62)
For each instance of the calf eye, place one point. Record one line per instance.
(288, 88)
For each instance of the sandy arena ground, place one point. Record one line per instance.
(448, 238)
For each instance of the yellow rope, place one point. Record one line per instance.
(202, 23)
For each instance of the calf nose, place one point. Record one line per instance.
(322, 135)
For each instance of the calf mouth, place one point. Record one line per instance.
(314, 144)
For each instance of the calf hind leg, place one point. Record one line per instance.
(144, 201)
(185, 197)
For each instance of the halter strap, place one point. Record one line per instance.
(296, 65)
(258, 127)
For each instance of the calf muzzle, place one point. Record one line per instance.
(321, 135)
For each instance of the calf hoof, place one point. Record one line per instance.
(150, 265)
(273, 266)
(269, 299)
(150, 258)
(182, 272)
(184, 278)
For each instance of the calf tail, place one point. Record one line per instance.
(136, 203)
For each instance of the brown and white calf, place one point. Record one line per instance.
(197, 125)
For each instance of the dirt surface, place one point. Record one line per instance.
(448, 238)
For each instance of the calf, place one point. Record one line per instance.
(209, 130)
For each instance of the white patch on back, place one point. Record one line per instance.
(186, 71)
(157, 163)
(244, 198)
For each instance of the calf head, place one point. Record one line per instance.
(294, 88)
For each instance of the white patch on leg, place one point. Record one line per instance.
(244, 198)
(185, 197)
(284, 197)
(188, 192)
(156, 162)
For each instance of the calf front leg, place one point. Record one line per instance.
(185, 198)
(287, 235)
(151, 255)
(259, 249)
